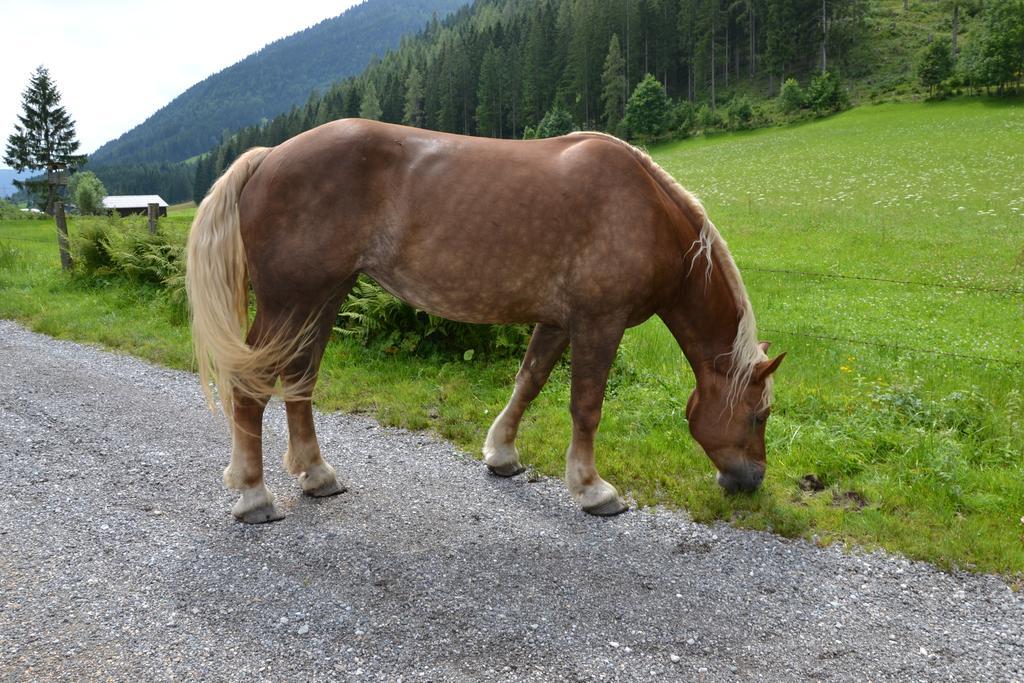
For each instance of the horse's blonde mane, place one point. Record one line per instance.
(745, 353)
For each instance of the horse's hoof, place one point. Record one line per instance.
(507, 470)
(609, 508)
(326, 490)
(261, 515)
(256, 506)
(320, 481)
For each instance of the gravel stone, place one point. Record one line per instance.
(427, 569)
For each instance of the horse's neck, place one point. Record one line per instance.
(704, 320)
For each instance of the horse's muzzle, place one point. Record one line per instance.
(741, 479)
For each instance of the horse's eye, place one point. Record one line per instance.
(760, 418)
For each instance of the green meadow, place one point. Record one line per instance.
(883, 250)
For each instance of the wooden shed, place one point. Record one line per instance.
(134, 205)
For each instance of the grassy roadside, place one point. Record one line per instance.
(917, 452)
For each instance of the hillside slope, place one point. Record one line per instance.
(271, 81)
(7, 178)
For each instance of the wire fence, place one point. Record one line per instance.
(803, 274)
(877, 343)
(33, 240)
(896, 347)
(866, 278)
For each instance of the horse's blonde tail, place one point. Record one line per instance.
(217, 285)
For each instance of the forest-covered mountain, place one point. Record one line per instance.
(270, 81)
(499, 67)
(504, 67)
(7, 178)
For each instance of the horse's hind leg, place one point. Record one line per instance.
(245, 473)
(593, 350)
(303, 457)
(546, 346)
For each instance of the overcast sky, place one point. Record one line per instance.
(116, 62)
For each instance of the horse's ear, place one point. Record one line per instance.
(764, 346)
(766, 368)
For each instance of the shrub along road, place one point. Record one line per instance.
(121, 562)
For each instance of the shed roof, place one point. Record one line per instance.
(133, 201)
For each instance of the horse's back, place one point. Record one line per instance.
(468, 228)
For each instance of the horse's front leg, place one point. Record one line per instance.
(593, 350)
(245, 473)
(546, 346)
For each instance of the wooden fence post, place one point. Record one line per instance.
(154, 211)
(62, 235)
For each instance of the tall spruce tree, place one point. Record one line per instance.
(613, 85)
(44, 138)
(204, 177)
(370, 107)
(415, 99)
(538, 63)
(490, 96)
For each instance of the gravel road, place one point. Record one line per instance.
(121, 562)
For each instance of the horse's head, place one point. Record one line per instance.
(729, 427)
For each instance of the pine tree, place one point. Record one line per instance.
(613, 84)
(648, 109)
(446, 115)
(556, 122)
(586, 46)
(686, 25)
(204, 177)
(44, 138)
(370, 107)
(513, 75)
(539, 81)
(490, 101)
(415, 98)
(787, 35)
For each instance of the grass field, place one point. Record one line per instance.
(902, 398)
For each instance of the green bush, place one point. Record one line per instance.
(682, 119)
(8, 211)
(765, 114)
(375, 317)
(11, 212)
(649, 110)
(739, 113)
(791, 97)
(556, 122)
(146, 258)
(91, 248)
(123, 247)
(708, 118)
(826, 95)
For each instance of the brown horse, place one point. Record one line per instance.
(583, 235)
